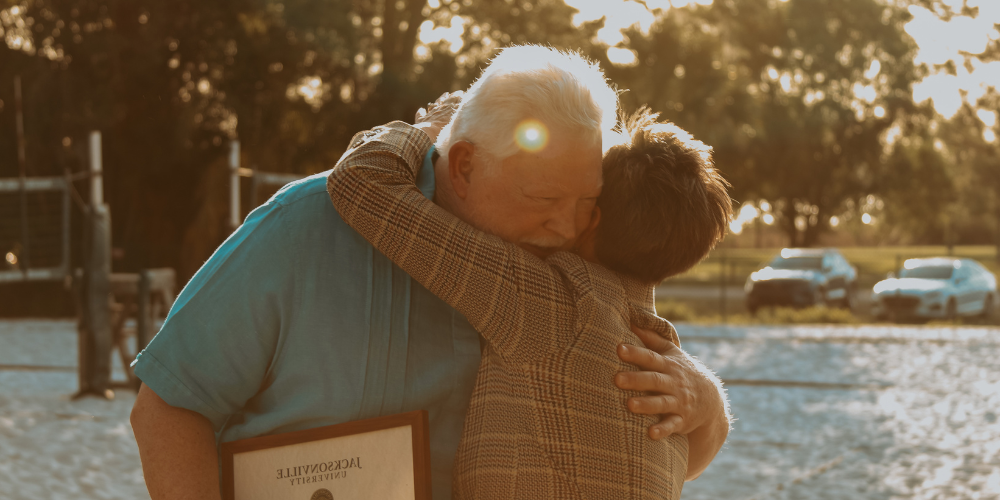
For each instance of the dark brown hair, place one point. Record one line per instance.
(664, 206)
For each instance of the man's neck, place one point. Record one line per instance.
(444, 196)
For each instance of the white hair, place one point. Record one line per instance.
(562, 90)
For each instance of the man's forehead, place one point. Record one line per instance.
(581, 178)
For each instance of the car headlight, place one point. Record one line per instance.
(933, 295)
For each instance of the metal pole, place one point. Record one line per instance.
(25, 257)
(254, 186)
(722, 282)
(66, 265)
(144, 315)
(95, 348)
(97, 298)
(96, 180)
(234, 185)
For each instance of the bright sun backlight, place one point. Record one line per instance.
(940, 41)
(531, 135)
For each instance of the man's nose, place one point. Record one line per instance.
(563, 223)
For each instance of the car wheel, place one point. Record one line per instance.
(850, 302)
(820, 298)
(988, 306)
(951, 310)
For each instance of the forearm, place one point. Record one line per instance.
(706, 440)
(177, 450)
(479, 274)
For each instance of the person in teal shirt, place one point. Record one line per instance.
(296, 322)
(274, 335)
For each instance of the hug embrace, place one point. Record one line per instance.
(492, 264)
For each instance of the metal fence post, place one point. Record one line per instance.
(98, 294)
(144, 314)
(95, 334)
(96, 170)
(234, 185)
(722, 285)
(25, 257)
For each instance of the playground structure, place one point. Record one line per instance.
(35, 236)
(37, 245)
(258, 180)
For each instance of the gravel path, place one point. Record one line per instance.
(876, 412)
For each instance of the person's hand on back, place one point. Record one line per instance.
(437, 114)
(688, 397)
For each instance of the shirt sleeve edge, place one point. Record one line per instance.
(174, 391)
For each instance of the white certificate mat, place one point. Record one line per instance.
(384, 458)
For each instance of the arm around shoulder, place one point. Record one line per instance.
(177, 449)
(705, 441)
(689, 397)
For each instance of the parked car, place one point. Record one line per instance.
(801, 277)
(940, 287)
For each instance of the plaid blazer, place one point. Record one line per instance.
(546, 420)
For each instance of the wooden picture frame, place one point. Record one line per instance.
(285, 466)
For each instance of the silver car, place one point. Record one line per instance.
(802, 277)
(939, 287)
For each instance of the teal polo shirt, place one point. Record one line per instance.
(296, 322)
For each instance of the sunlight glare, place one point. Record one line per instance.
(943, 90)
(451, 34)
(745, 216)
(989, 135)
(768, 219)
(879, 112)
(866, 218)
(989, 118)
(748, 212)
(940, 41)
(622, 57)
(531, 135)
(617, 15)
(873, 70)
(834, 221)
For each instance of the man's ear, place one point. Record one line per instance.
(460, 167)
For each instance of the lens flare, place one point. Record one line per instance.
(531, 136)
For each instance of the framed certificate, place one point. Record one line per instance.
(383, 458)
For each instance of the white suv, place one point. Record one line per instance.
(939, 287)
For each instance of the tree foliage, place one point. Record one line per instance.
(808, 103)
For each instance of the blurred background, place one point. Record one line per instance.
(847, 123)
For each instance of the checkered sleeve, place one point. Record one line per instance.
(503, 290)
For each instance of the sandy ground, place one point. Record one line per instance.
(878, 412)
(823, 413)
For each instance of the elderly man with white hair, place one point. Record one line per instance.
(296, 322)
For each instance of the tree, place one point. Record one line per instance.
(794, 96)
